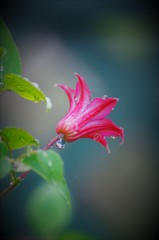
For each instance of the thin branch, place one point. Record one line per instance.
(10, 188)
(51, 143)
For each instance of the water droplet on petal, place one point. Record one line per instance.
(96, 136)
(105, 97)
(112, 137)
(76, 98)
(60, 144)
(112, 108)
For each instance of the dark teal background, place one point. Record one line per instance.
(114, 45)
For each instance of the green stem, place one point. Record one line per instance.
(17, 180)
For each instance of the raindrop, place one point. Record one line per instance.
(1, 68)
(60, 144)
(50, 163)
(112, 108)
(76, 99)
(112, 137)
(26, 79)
(105, 97)
(37, 141)
(96, 136)
(48, 103)
(35, 84)
(22, 139)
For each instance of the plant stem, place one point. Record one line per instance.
(11, 187)
(51, 143)
(24, 174)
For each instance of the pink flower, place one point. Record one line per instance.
(86, 118)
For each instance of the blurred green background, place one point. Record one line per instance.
(114, 45)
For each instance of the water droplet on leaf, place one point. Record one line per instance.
(50, 163)
(60, 144)
(35, 85)
(22, 139)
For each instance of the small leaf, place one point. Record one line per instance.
(18, 138)
(5, 165)
(47, 209)
(23, 87)
(10, 62)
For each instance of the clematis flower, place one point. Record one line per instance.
(87, 118)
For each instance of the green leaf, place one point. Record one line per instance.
(49, 165)
(26, 89)
(17, 138)
(5, 165)
(10, 62)
(47, 210)
(23, 87)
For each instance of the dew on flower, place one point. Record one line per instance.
(105, 97)
(60, 144)
(96, 136)
(112, 137)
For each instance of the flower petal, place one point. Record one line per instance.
(98, 137)
(97, 109)
(83, 93)
(71, 95)
(103, 126)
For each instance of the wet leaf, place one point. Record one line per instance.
(49, 165)
(17, 138)
(23, 87)
(26, 89)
